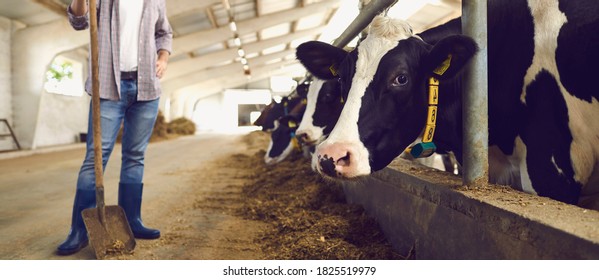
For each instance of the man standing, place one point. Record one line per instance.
(134, 41)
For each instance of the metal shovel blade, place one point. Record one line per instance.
(111, 238)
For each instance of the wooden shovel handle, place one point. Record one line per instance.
(97, 137)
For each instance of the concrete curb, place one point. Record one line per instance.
(427, 214)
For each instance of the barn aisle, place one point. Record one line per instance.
(37, 193)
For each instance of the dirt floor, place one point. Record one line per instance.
(210, 195)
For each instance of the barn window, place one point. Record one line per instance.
(64, 77)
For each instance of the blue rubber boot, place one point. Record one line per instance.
(130, 200)
(77, 238)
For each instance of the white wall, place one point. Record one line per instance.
(62, 117)
(5, 81)
(33, 49)
(208, 110)
(219, 112)
(5, 73)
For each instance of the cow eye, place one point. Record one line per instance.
(400, 80)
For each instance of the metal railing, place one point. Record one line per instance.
(474, 101)
(10, 134)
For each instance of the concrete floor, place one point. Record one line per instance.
(37, 190)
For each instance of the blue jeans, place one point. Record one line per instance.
(138, 118)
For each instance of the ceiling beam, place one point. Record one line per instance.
(54, 6)
(222, 71)
(193, 41)
(189, 96)
(187, 66)
(175, 8)
(259, 5)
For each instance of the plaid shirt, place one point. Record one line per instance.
(155, 34)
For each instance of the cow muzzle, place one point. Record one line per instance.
(339, 160)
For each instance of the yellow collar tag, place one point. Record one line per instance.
(431, 119)
(433, 91)
(440, 70)
(427, 147)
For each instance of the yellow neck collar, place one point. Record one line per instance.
(427, 147)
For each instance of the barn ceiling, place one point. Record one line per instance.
(206, 53)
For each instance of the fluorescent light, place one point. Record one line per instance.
(233, 26)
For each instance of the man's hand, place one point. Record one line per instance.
(79, 7)
(161, 63)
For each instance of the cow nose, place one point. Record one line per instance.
(304, 137)
(336, 160)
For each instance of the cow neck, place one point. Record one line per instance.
(449, 118)
(427, 147)
(448, 127)
(292, 124)
(297, 110)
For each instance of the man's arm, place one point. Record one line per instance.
(164, 40)
(161, 63)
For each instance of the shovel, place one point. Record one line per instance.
(107, 226)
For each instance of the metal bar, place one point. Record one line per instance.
(475, 104)
(12, 134)
(361, 21)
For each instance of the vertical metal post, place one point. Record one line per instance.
(475, 104)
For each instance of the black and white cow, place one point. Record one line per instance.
(324, 104)
(282, 139)
(543, 110)
(282, 121)
(276, 110)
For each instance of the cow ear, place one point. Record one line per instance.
(449, 56)
(320, 59)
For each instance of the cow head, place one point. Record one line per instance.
(282, 140)
(261, 120)
(276, 110)
(303, 88)
(386, 80)
(322, 111)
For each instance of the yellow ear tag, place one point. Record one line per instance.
(440, 70)
(291, 124)
(333, 70)
(304, 101)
